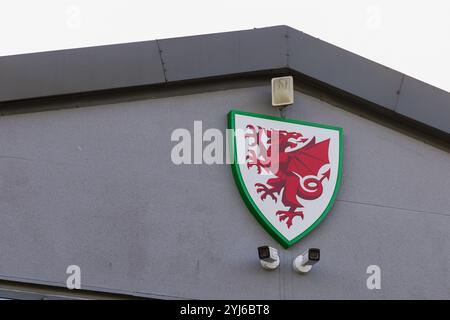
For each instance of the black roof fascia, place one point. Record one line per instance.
(55, 73)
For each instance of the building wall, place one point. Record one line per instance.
(96, 187)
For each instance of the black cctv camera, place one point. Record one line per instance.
(268, 257)
(311, 256)
(267, 254)
(304, 262)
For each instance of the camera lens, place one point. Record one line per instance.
(264, 252)
(314, 254)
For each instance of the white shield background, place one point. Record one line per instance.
(312, 209)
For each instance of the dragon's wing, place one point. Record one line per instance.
(309, 159)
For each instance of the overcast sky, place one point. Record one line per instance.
(409, 36)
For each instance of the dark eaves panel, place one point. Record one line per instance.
(343, 70)
(424, 103)
(79, 70)
(218, 55)
(224, 53)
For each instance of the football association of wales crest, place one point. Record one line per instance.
(287, 171)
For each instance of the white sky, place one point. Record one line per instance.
(409, 36)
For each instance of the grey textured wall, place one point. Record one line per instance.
(96, 187)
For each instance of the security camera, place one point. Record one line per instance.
(304, 262)
(268, 257)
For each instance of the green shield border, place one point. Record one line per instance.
(243, 189)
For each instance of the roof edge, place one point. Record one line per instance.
(106, 67)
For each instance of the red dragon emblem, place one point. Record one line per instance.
(299, 163)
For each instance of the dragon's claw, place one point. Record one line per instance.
(258, 168)
(288, 216)
(264, 196)
(265, 191)
(249, 165)
(252, 160)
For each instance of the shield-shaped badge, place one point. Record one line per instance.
(287, 171)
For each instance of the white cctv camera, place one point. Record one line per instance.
(304, 262)
(268, 257)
